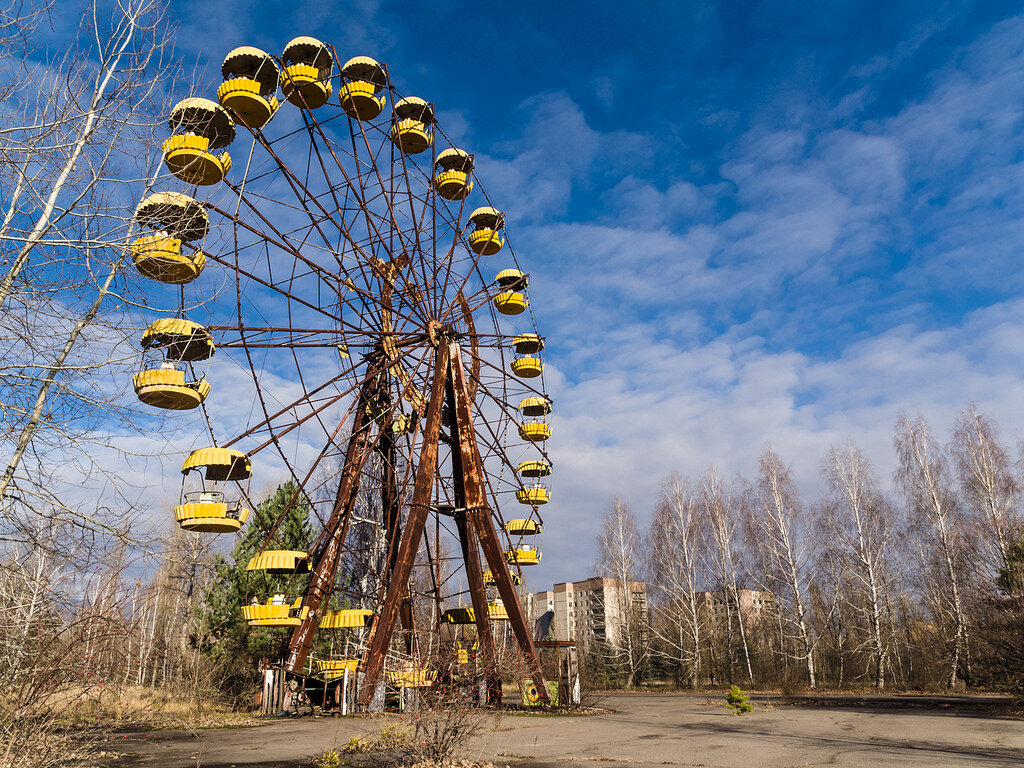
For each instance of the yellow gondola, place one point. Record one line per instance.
(221, 464)
(279, 562)
(512, 299)
(411, 677)
(412, 131)
(180, 339)
(331, 668)
(533, 468)
(486, 239)
(250, 82)
(346, 618)
(277, 611)
(164, 385)
(495, 611)
(452, 180)
(305, 80)
(178, 219)
(527, 344)
(523, 527)
(534, 495)
(199, 126)
(527, 367)
(207, 509)
(535, 431)
(489, 577)
(534, 406)
(360, 95)
(524, 554)
(166, 388)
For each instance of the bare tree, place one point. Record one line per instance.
(923, 475)
(619, 545)
(857, 527)
(990, 490)
(776, 518)
(721, 515)
(74, 161)
(676, 547)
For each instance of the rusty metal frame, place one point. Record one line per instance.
(327, 554)
(475, 526)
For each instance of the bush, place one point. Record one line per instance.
(738, 701)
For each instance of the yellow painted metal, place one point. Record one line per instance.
(414, 108)
(365, 69)
(173, 213)
(535, 431)
(243, 97)
(535, 406)
(523, 556)
(166, 388)
(279, 561)
(221, 464)
(453, 185)
(412, 678)
(454, 160)
(205, 118)
(411, 136)
(511, 303)
(487, 218)
(302, 86)
(534, 468)
(512, 278)
(276, 612)
(523, 527)
(305, 80)
(309, 50)
(526, 367)
(535, 496)
(489, 577)
(336, 667)
(211, 516)
(496, 611)
(527, 343)
(360, 101)
(160, 258)
(485, 242)
(462, 656)
(346, 618)
(187, 158)
(180, 339)
(252, 64)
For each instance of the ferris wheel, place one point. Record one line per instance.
(339, 249)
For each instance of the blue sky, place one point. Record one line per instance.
(747, 223)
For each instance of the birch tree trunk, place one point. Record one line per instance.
(924, 478)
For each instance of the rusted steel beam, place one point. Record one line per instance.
(324, 560)
(477, 592)
(479, 515)
(423, 491)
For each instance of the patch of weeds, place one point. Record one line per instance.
(390, 737)
(329, 758)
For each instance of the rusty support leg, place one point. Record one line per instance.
(422, 496)
(324, 560)
(480, 516)
(391, 515)
(471, 556)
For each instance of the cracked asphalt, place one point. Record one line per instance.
(648, 730)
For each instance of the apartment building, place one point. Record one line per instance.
(594, 609)
(753, 603)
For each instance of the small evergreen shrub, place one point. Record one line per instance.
(738, 701)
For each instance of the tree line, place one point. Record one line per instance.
(917, 587)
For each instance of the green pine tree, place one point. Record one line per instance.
(228, 640)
